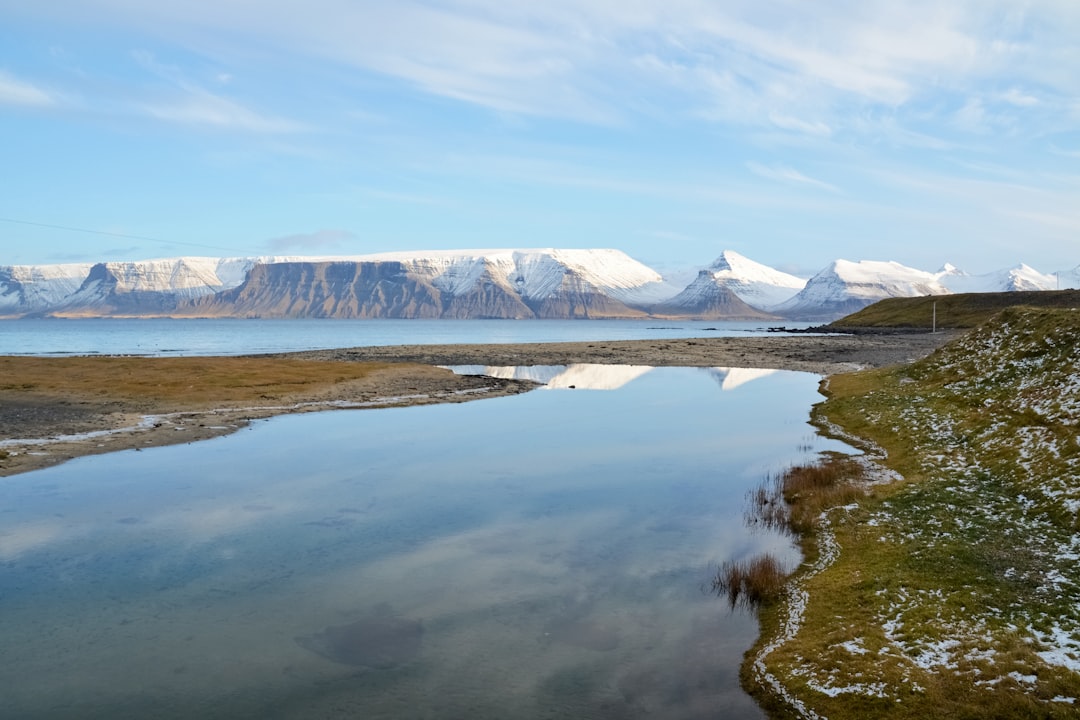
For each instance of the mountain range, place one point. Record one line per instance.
(512, 284)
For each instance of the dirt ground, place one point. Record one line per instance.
(53, 409)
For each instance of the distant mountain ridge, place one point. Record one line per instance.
(463, 284)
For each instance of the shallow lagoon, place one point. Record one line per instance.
(541, 556)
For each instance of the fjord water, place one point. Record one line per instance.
(546, 555)
(166, 336)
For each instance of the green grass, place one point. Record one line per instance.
(963, 310)
(950, 581)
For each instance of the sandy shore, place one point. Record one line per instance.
(46, 423)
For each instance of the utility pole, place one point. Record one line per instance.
(933, 328)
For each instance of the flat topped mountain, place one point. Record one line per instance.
(463, 284)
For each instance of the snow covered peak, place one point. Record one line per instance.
(535, 273)
(1019, 278)
(755, 284)
(845, 286)
(874, 280)
(33, 288)
(949, 269)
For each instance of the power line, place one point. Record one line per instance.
(115, 234)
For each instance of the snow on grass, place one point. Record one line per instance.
(980, 594)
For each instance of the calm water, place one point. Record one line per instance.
(537, 556)
(236, 337)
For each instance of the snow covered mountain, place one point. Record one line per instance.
(482, 283)
(501, 283)
(1020, 278)
(31, 289)
(755, 284)
(535, 274)
(513, 284)
(844, 287)
(733, 287)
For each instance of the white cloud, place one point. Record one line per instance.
(200, 107)
(190, 104)
(790, 123)
(785, 174)
(18, 92)
(788, 63)
(1014, 96)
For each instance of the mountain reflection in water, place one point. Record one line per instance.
(595, 376)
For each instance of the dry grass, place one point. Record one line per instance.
(750, 583)
(795, 500)
(178, 383)
(810, 490)
(60, 398)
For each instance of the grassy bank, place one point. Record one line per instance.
(954, 590)
(963, 310)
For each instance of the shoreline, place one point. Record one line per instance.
(40, 427)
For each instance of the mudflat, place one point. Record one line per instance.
(55, 409)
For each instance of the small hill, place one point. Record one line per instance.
(964, 310)
(954, 590)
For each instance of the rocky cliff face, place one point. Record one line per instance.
(391, 289)
(323, 290)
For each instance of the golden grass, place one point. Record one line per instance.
(750, 583)
(182, 382)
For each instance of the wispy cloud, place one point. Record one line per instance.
(791, 123)
(190, 104)
(805, 67)
(307, 242)
(196, 106)
(786, 174)
(14, 91)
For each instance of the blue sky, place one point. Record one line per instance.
(793, 132)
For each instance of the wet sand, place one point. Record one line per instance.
(44, 426)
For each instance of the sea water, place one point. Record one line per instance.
(546, 555)
(120, 336)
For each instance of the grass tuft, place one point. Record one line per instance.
(795, 500)
(750, 583)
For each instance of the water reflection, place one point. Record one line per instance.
(540, 555)
(594, 376)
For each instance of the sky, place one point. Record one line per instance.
(792, 132)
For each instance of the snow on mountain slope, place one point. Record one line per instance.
(1019, 278)
(1068, 279)
(26, 288)
(35, 288)
(846, 286)
(758, 285)
(535, 274)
